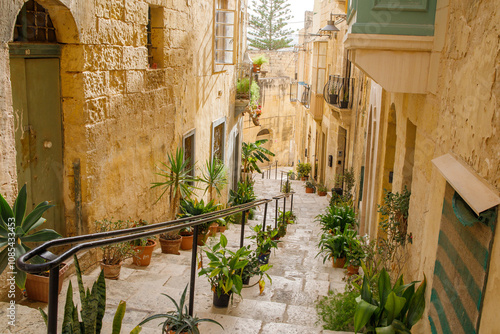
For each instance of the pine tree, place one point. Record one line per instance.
(268, 26)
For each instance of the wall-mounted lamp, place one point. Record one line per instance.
(330, 24)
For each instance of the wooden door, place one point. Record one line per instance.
(37, 108)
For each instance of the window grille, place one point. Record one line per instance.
(33, 24)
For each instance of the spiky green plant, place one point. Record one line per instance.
(179, 320)
(215, 177)
(252, 153)
(20, 228)
(93, 306)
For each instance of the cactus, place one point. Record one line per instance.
(92, 310)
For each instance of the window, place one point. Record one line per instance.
(188, 144)
(154, 41)
(224, 32)
(319, 67)
(218, 139)
(33, 24)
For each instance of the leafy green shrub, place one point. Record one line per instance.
(336, 311)
(340, 216)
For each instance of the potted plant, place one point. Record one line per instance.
(291, 175)
(113, 255)
(265, 242)
(334, 96)
(333, 247)
(243, 194)
(287, 187)
(222, 225)
(345, 101)
(22, 227)
(337, 218)
(255, 268)
(179, 321)
(354, 252)
(224, 271)
(170, 243)
(143, 247)
(389, 309)
(186, 234)
(310, 187)
(258, 62)
(339, 181)
(191, 208)
(215, 177)
(303, 169)
(322, 190)
(243, 89)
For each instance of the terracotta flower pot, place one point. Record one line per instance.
(322, 193)
(37, 286)
(111, 271)
(309, 190)
(202, 239)
(187, 242)
(144, 254)
(170, 246)
(339, 262)
(256, 68)
(221, 229)
(303, 178)
(213, 230)
(352, 270)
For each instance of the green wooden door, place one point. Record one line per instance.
(37, 108)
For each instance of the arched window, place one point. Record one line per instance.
(33, 24)
(263, 132)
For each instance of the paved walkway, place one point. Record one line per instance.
(286, 306)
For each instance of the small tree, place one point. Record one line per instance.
(252, 153)
(268, 24)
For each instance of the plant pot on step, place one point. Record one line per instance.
(256, 68)
(212, 230)
(187, 241)
(171, 246)
(37, 286)
(111, 271)
(246, 280)
(309, 190)
(352, 270)
(202, 239)
(321, 193)
(143, 254)
(221, 229)
(338, 262)
(222, 300)
(264, 258)
(339, 191)
(303, 178)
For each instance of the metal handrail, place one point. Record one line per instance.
(91, 241)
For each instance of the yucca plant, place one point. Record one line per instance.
(215, 177)
(177, 179)
(252, 153)
(179, 321)
(191, 208)
(15, 221)
(93, 306)
(394, 310)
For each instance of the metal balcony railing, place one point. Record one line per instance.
(294, 91)
(306, 95)
(339, 91)
(95, 240)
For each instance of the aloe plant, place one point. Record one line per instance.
(93, 305)
(179, 320)
(395, 309)
(20, 228)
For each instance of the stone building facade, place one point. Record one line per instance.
(424, 116)
(117, 85)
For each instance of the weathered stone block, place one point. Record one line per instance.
(71, 84)
(97, 110)
(103, 57)
(135, 58)
(136, 12)
(135, 81)
(155, 79)
(116, 82)
(72, 57)
(95, 84)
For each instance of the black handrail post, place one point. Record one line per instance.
(291, 204)
(281, 182)
(53, 300)
(243, 218)
(276, 215)
(276, 170)
(284, 209)
(265, 215)
(193, 270)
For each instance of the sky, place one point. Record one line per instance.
(298, 8)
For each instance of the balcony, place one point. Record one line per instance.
(305, 94)
(338, 92)
(393, 40)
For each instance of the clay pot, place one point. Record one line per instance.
(321, 193)
(303, 178)
(202, 239)
(212, 231)
(255, 121)
(111, 271)
(170, 246)
(144, 253)
(352, 270)
(187, 242)
(222, 300)
(339, 262)
(309, 190)
(37, 286)
(256, 68)
(221, 229)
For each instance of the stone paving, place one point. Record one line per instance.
(286, 306)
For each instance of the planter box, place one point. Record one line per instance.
(309, 190)
(37, 287)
